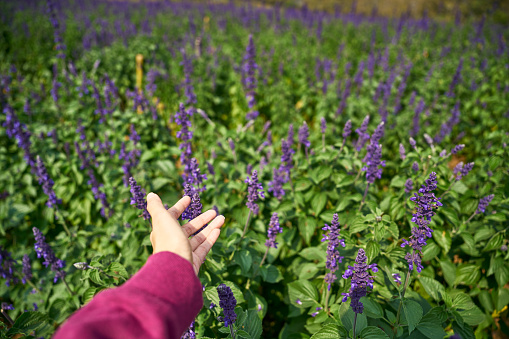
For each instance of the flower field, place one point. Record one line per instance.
(361, 164)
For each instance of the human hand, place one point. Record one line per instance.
(168, 235)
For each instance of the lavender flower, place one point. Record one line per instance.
(188, 84)
(456, 79)
(81, 265)
(373, 160)
(138, 198)
(27, 269)
(195, 207)
(290, 135)
(425, 204)
(304, 135)
(255, 191)
(182, 117)
(464, 170)
(363, 136)
(190, 332)
(457, 148)
(412, 142)
(286, 159)
(249, 80)
(347, 130)
(409, 185)
(323, 125)
(397, 278)
(7, 267)
(415, 167)
(227, 302)
(333, 257)
(298, 302)
(47, 184)
(44, 250)
(193, 176)
(361, 280)
(273, 231)
(276, 185)
(402, 152)
(16, 130)
(6, 307)
(483, 203)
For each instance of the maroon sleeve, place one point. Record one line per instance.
(160, 301)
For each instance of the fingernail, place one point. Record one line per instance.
(150, 195)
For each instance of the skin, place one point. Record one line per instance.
(168, 235)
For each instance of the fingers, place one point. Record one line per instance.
(155, 205)
(202, 251)
(201, 237)
(198, 222)
(179, 208)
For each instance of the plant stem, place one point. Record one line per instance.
(358, 175)
(327, 295)
(231, 331)
(264, 256)
(448, 189)
(245, 227)
(323, 142)
(473, 215)
(354, 324)
(61, 217)
(7, 317)
(67, 286)
(407, 282)
(364, 197)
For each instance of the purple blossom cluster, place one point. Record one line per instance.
(362, 135)
(483, 203)
(273, 231)
(187, 63)
(131, 158)
(195, 207)
(373, 158)
(27, 269)
(192, 175)
(47, 184)
(44, 250)
(304, 135)
(361, 280)
(7, 268)
(254, 192)
(227, 302)
(183, 118)
(461, 170)
(333, 242)
(138, 198)
(425, 205)
(249, 68)
(17, 130)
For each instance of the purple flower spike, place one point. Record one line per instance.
(373, 161)
(415, 167)
(227, 302)
(425, 204)
(195, 208)
(47, 184)
(138, 198)
(483, 203)
(44, 250)
(412, 143)
(361, 280)
(363, 136)
(347, 130)
(304, 135)
(273, 231)
(457, 148)
(333, 257)
(276, 185)
(255, 192)
(409, 186)
(402, 154)
(323, 125)
(286, 158)
(397, 278)
(7, 268)
(27, 269)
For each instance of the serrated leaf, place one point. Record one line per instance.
(27, 322)
(432, 287)
(88, 294)
(244, 259)
(373, 332)
(328, 331)
(495, 242)
(271, 274)
(304, 291)
(318, 203)
(118, 269)
(348, 318)
(372, 250)
(307, 227)
(253, 324)
(413, 313)
(467, 274)
(372, 308)
(443, 239)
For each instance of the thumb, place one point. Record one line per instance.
(155, 205)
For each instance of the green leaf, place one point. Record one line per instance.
(502, 276)
(253, 324)
(373, 332)
(242, 334)
(307, 227)
(432, 287)
(318, 203)
(329, 331)
(462, 301)
(413, 313)
(430, 251)
(166, 166)
(313, 253)
(372, 308)
(398, 181)
(321, 173)
(443, 239)
(473, 316)
(211, 293)
(483, 233)
(495, 242)
(271, 274)
(244, 259)
(27, 322)
(467, 274)
(159, 182)
(451, 215)
(465, 332)
(449, 271)
(372, 250)
(348, 318)
(499, 217)
(302, 184)
(95, 276)
(88, 294)
(118, 269)
(304, 291)
(431, 324)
